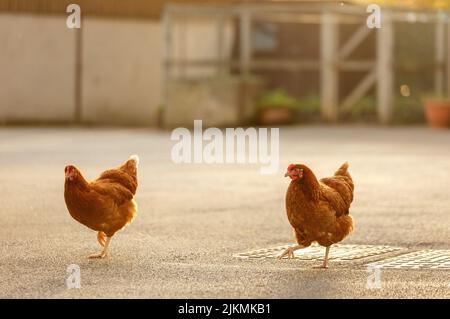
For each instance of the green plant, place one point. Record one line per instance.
(434, 97)
(309, 105)
(408, 110)
(404, 111)
(278, 98)
(363, 110)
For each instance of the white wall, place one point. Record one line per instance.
(37, 65)
(121, 71)
(121, 66)
(197, 39)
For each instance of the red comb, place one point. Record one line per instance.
(291, 166)
(68, 168)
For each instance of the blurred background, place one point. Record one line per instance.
(339, 88)
(165, 63)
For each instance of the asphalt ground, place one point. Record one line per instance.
(193, 217)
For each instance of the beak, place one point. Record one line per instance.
(288, 174)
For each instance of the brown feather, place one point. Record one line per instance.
(319, 210)
(105, 204)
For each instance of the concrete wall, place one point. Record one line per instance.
(121, 70)
(121, 67)
(37, 68)
(222, 101)
(121, 74)
(196, 39)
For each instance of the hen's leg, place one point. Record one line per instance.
(104, 252)
(289, 252)
(325, 261)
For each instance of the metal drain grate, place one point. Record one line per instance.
(423, 259)
(338, 252)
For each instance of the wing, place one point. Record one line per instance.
(110, 189)
(121, 177)
(338, 192)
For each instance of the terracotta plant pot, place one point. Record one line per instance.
(438, 113)
(276, 116)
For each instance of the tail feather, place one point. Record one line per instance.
(101, 237)
(343, 170)
(131, 165)
(134, 158)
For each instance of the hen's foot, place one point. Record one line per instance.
(289, 252)
(104, 252)
(101, 254)
(325, 261)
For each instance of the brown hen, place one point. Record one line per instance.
(106, 204)
(318, 210)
